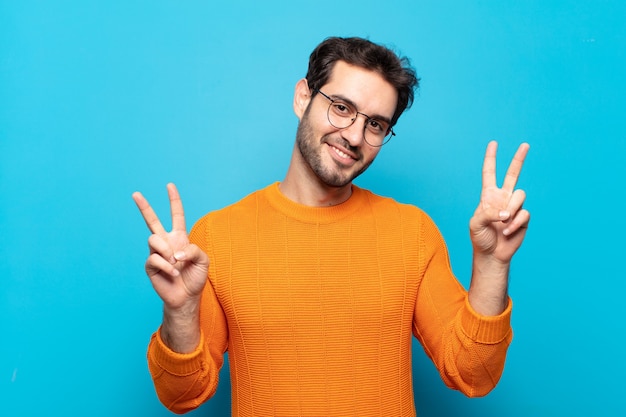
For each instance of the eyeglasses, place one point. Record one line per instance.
(342, 114)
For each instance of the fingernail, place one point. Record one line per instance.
(175, 272)
(504, 214)
(179, 255)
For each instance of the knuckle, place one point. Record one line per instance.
(153, 241)
(152, 260)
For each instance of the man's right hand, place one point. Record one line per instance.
(178, 271)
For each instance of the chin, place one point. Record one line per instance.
(336, 179)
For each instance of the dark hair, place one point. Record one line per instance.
(365, 54)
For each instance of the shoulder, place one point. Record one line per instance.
(393, 212)
(249, 202)
(223, 216)
(383, 204)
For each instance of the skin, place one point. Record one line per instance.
(497, 230)
(325, 160)
(178, 272)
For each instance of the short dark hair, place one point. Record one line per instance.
(363, 53)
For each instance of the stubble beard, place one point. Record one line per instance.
(305, 140)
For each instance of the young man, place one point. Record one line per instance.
(314, 286)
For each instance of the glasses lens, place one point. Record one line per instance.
(377, 139)
(341, 114)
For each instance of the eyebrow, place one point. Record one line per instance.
(351, 103)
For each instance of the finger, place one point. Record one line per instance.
(156, 265)
(193, 254)
(149, 216)
(512, 174)
(489, 165)
(518, 223)
(483, 217)
(176, 208)
(517, 201)
(160, 246)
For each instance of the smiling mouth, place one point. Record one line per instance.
(344, 153)
(341, 153)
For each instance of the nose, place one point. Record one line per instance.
(354, 133)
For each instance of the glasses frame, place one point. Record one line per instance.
(390, 133)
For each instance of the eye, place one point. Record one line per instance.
(342, 109)
(376, 126)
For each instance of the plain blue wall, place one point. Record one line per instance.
(99, 99)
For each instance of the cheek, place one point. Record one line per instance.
(317, 118)
(321, 127)
(370, 152)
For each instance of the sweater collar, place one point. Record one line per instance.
(310, 214)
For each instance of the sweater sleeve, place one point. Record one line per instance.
(184, 381)
(468, 349)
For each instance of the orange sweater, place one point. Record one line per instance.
(316, 307)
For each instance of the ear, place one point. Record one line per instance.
(301, 97)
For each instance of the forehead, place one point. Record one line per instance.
(367, 89)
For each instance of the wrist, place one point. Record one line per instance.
(183, 311)
(490, 264)
(488, 293)
(180, 329)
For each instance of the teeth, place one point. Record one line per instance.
(341, 154)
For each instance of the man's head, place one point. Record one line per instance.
(368, 55)
(354, 90)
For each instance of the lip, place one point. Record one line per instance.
(341, 155)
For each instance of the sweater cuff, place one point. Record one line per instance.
(486, 329)
(175, 363)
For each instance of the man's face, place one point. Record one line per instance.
(337, 156)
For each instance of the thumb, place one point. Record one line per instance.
(484, 216)
(193, 254)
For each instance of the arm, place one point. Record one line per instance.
(467, 334)
(186, 354)
(178, 272)
(468, 349)
(497, 230)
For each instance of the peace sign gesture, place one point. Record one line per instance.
(499, 223)
(497, 230)
(177, 269)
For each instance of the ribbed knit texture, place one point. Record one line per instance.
(317, 307)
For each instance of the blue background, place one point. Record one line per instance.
(99, 99)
